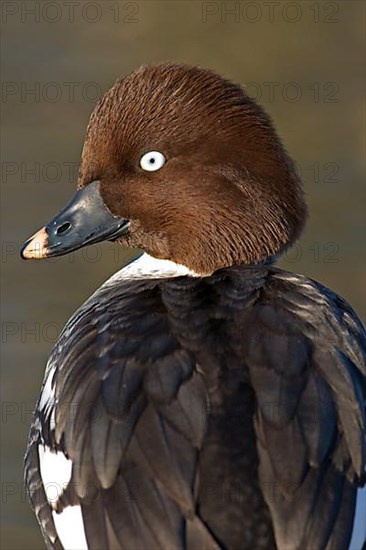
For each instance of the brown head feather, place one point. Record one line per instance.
(228, 193)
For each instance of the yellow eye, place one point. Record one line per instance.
(152, 161)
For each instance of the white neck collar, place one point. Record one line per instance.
(147, 267)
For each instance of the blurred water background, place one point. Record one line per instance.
(304, 61)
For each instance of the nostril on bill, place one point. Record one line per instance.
(64, 228)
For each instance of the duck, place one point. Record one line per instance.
(202, 398)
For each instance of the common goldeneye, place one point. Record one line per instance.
(201, 398)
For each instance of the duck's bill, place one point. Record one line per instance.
(84, 220)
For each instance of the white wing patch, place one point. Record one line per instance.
(56, 472)
(70, 528)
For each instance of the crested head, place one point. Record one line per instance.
(223, 190)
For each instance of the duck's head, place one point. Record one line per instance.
(183, 164)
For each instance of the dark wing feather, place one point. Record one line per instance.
(36, 491)
(305, 350)
(130, 411)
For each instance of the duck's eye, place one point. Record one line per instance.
(152, 161)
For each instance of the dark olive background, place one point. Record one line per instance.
(313, 51)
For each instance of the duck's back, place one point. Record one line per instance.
(201, 413)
